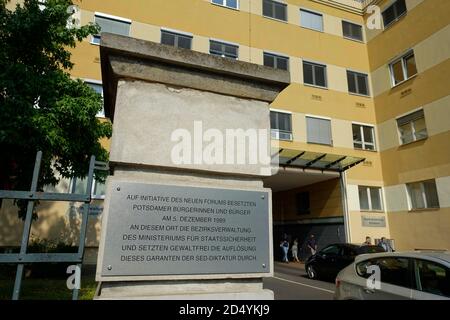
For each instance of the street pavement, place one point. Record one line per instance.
(290, 282)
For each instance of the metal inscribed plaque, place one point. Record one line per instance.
(176, 230)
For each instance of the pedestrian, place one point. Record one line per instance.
(368, 242)
(312, 244)
(385, 245)
(294, 251)
(284, 245)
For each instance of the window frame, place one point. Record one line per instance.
(108, 17)
(363, 139)
(89, 82)
(275, 2)
(369, 198)
(317, 13)
(362, 40)
(224, 4)
(276, 56)
(275, 133)
(224, 43)
(413, 128)
(423, 194)
(73, 184)
(314, 65)
(177, 34)
(355, 75)
(397, 18)
(402, 59)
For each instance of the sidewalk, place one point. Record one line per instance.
(292, 265)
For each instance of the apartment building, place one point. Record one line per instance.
(363, 129)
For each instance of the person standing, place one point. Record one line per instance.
(385, 245)
(368, 242)
(312, 244)
(294, 251)
(285, 249)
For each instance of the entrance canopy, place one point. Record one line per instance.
(315, 160)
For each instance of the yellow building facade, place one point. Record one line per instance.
(378, 99)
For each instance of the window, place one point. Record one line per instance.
(412, 127)
(78, 186)
(358, 83)
(311, 20)
(112, 25)
(98, 190)
(227, 3)
(223, 49)
(423, 195)
(370, 198)
(403, 68)
(281, 125)
(394, 12)
(432, 278)
(303, 203)
(314, 74)
(318, 130)
(352, 31)
(363, 137)
(394, 271)
(176, 39)
(276, 61)
(275, 9)
(332, 250)
(99, 89)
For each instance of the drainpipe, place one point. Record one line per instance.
(345, 207)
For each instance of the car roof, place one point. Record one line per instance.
(443, 256)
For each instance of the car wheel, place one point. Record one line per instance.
(312, 274)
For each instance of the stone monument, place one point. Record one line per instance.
(185, 216)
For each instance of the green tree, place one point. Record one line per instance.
(41, 106)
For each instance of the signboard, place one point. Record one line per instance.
(374, 222)
(94, 210)
(154, 230)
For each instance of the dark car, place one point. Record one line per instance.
(328, 262)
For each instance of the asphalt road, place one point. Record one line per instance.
(290, 282)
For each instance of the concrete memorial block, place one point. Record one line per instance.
(186, 215)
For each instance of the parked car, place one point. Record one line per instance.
(408, 275)
(327, 263)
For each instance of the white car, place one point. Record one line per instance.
(418, 275)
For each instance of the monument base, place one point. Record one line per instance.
(184, 290)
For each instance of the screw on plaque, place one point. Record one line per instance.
(109, 268)
(118, 188)
(264, 265)
(263, 197)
